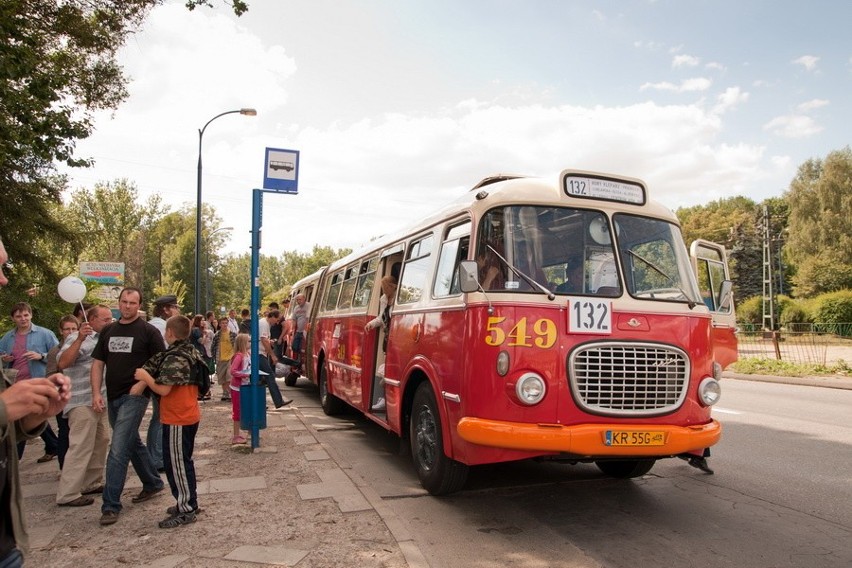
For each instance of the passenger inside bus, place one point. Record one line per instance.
(389, 285)
(491, 269)
(574, 277)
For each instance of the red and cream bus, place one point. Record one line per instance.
(531, 319)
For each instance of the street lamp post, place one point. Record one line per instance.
(210, 238)
(243, 111)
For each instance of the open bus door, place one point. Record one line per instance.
(710, 264)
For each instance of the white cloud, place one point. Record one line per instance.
(687, 85)
(685, 61)
(715, 66)
(812, 105)
(793, 126)
(732, 97)
(809, 62)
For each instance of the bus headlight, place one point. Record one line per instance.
(530, 388)
(503, 363)
(709, 391)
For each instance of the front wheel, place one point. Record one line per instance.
(331, 405)
(625, 469)
(438, 474)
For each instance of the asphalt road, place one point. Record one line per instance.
(781, 496)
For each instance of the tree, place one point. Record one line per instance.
(58, 60)
(820, 224)
(731, 222)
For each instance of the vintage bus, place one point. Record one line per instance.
(531, 319)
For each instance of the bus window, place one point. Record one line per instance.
(453, 250)
(348, 288)
(415, 273)
(366, 277)
(333, 291)
(654, 259)
(711, 274)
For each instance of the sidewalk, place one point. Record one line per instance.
(288, 503)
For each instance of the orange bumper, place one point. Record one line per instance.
(588, 440)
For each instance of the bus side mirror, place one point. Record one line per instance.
(468, 279)
(725, 296)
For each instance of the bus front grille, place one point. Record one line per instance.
(628, 379)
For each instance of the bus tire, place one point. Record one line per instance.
(625, 469)
(438, 474)
(331, 405)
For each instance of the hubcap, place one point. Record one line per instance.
(426, 436)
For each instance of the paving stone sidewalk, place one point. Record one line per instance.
(287, 503)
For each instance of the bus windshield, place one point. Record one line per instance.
(565, 250)
(654, 259)
(570, 251)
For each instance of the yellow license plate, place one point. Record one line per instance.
(634, 438)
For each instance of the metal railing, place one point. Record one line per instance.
(807, 343)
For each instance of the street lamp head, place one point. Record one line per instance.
(248, 111)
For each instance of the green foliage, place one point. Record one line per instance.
(731, 222)
(750, 310)
(763, 366)
(833, 308)
(820, 226)
(792, 311)
(239, 6)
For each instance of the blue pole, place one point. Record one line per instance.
(257, 404)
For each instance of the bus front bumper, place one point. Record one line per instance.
(591, 440)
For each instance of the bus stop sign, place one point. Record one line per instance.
(281, 171)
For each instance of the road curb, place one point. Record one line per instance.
(830, 382)
(397, 526)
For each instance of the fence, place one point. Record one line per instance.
(806, 343)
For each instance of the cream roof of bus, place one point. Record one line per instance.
(507, 189)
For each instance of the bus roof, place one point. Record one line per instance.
(512, 189)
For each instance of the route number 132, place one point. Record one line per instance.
(587, 315)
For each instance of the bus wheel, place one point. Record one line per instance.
(438, 474)
(331, 405)
(625, 469)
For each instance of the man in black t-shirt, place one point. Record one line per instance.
(123, 347)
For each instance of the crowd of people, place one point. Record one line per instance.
(96, 380)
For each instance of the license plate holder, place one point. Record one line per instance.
(633, 438)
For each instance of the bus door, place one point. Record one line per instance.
(710, 264)
(385, 285)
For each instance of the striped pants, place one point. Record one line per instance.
(178, 443)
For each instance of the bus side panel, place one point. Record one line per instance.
(344, 359)
(724, 345)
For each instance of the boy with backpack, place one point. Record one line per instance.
(176, 375)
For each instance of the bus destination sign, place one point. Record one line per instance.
(605, 189)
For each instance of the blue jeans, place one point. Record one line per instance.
(154, 440)
(125, 416)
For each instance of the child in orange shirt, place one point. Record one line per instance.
(169, 375)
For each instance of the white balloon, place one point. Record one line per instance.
(71, 289)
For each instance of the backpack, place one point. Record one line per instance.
(199, 373)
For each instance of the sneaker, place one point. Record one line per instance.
(238, 440)
(144, 495)
(45, 458)
(80, 501)
(285, 403)
(380, 404)
(177, 520)
(94, 490)
(109, 518)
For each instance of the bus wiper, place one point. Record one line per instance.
(659, 270)
(529, 279)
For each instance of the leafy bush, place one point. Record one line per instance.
(750, 310)
(833, 307)
(793, 311)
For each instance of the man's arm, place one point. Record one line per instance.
(96, 377)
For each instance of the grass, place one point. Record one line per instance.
(765, 366)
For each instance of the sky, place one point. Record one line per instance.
(399, 106)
